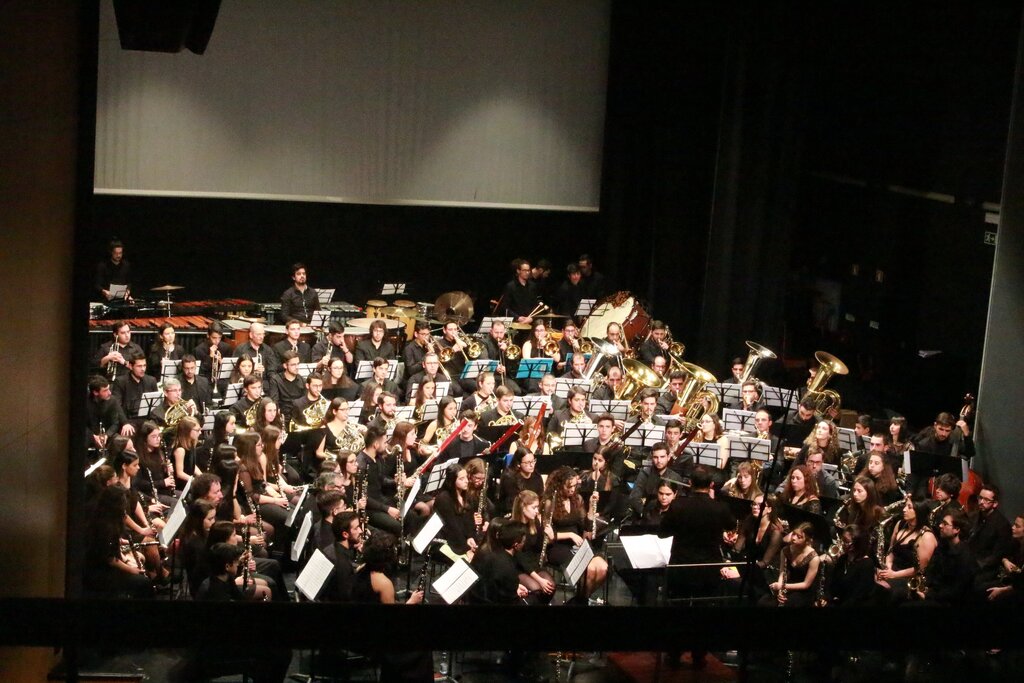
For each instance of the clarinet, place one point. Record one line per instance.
(593, 514)
(482, 503)
(254, 504)
(246, 554)
(543, 529)
(145, 511)
(400, 500)
(782, 578)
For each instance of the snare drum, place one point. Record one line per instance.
(622, 308)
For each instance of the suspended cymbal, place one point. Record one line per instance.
(550, 315)
(519, 326)
(454, 307)
(166, 288)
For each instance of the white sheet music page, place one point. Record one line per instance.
(455, 582)
(313, 576)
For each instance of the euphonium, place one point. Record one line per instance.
(825, 400)
(637, 377)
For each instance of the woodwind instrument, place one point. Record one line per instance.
(481, 504)
(246, 554)
(782, 578)
(543, 529)
(254, 504)
(400, 500)
(593, 512)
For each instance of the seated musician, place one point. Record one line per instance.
(908, 553)
(378, 472)
(1009, 586)
(565, 512)
(570, 292)
(339, 433)
(655, 344)
(750, 396)
(825, 440)
(104, 416)
(736, 371)
(432, 370)
(501, 415)
(608, 389)
(897, 440)
(468, 445)
(128, 390)
(332, 347)
(827, 485)
(330, 504)
(649, 479)
(386, 418)
(286, 387)
(547, 386)
(210, 351)
(172, 397)
(450, 340)
(568, 344)
(613, 335)
(801, 490)
(945, 498)
(521, 475)
(495, 344)
(667, 401)
(381, 376)
(300, 300)
(114, 271)
(576, 366)
(112, 360)
(799, 426)
(796, 586)
(710, 430)
(647, 399)
(674, 443)
(744, 484)
(520, 295)
(311, 396)
(418, 347)
(879, 471)
(482, 399)
(605, 441)
(264, 358)
(375, 346)
(949, 575)
(947, 436)
(245, 407)
(480, 472)
(989, 536)
(342, 554)
(534, 347)
(107, 572)
(862, 431)
(574, 412)
(163, 348)
(440, 427)
(337, 383)
(659, 365)
(194, 387)
(852, 581)
(293, 342)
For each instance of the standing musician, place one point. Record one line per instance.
(381, 370)
(210, 351)
(194, 387)
(286, 387)
(375, 346)
(112, 360)
(570, 292)
(482, 399)
(299, 301)
(655, 344)
(947, 436)
(163, 348)
(104, 416)
(595, 285)
(264, 358)
(455, 507)
(245, 407)
(468, 444)
(526, 510)
(332, 347)
(114, 271)
(293, 342)
(128, 390)
(495, 345)
(376, 474)
(520, 295)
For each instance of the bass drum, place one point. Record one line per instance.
(622, 308)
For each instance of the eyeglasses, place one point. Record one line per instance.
(528, 462)
(986, 500)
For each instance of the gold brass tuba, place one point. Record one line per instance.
(694, 401)
(757, 354)
(825, 400)
(637, 377)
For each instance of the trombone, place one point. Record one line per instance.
(469, 348)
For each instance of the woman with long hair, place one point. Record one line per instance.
(163, 348)
(880, 473)
(442, 426)
(801, 490)
(223, 433)
(897, 440)
(183, 451)
(155, 478)
(1010, 588)
(108, 570)
(368, 395)
(566, 515)
(534, 348)
(454, 507)
(600, 479)
(910, 550)
(339, 431)
(526, 509)
(198, 521)
(824, 439)
(521, 475)
(409, 453)
(280, 475)
(796, 585)
(268, 413)
(337, 383)
(273, 509)
(259, 588)
(744, 484)
(759, 540)
(424, 392)
(244, 367)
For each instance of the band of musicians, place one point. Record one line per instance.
(569, 424)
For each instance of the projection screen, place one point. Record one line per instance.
(471, 103)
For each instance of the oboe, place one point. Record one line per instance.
(593, 514)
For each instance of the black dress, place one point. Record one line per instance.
(560, 552)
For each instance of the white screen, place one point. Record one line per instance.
(475, 103)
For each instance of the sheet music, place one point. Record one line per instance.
(577, 432)
(647, 551)
(728, 394)
(93, 467)
(578, 564)
(738, 420)
(530, 405)
(585, 307)
(435, 477)
(473, 368)
(410, 496)
(779, 397)
(564, 384)
(393, 288)
(117, 292)
(314, 575)
(149, 400)
(298, 506)
(324, 296)
(534, 368)
(703, 453)
(455, 582)
(751, 447)
(300, 539)
(320, 318)
(847, 439)
(428, 533)
(227, 366)
(305, 369)
(232, 393)
(169, 368)
(405, 413)
(430, 409)
(208, 421)
(175, 519)
(364, 370)
(618, 409)
(486, 323)
(440, 389)
(646, 436)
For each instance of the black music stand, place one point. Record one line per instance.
(925, 464)
(739, 507)
(796, 516)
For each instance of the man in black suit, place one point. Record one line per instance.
(989, 538)
(194, 386)
(128, 391)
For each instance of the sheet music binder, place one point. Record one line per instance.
(616, 408)
(530, 405)
(577, 432)
(564, 384)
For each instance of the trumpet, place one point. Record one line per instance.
(214, 369)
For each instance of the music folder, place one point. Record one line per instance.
(647, 551)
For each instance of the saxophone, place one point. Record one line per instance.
(916, 582)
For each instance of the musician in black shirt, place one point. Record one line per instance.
(381, 370)
(128, 391)
(293, 342)
(112, 359)
(114, 271)
(263, 356)
(101, 410)
(520, 295)
(299, 301)
(332, 347)
(213, 343)
(378, 471)
(376, 346)
(286, 387)
(495, 345)
(654, 345)
(193, 386)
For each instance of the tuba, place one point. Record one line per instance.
(313, 414)
(694, 400)
(825, 400)
(757, 354)
(637, 377)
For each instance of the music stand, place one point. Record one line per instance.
(454, 583)
(149, 401)
(534, 368)
(311, 580)
(847, 439)
(232, 393)
(208, 421)
(323, 296)
(392, 288)
(576, 433)
(488, 322)
(364, 369)
(585, 307)
(320, 319)
(749, 448)
(738, 420)
(777, 397)
(430, 409)
(435, 476)
(739, 507)
(703, 453)
(646, 435)
(924, 464)
(617, 409)
(305, 369)
(169, 368)
(404, 413)
(530, 405)
(564, 384)
(796, 516)
(118, 293)
(227, 366)
(728, 394)
(473, 368)
(579, 563)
